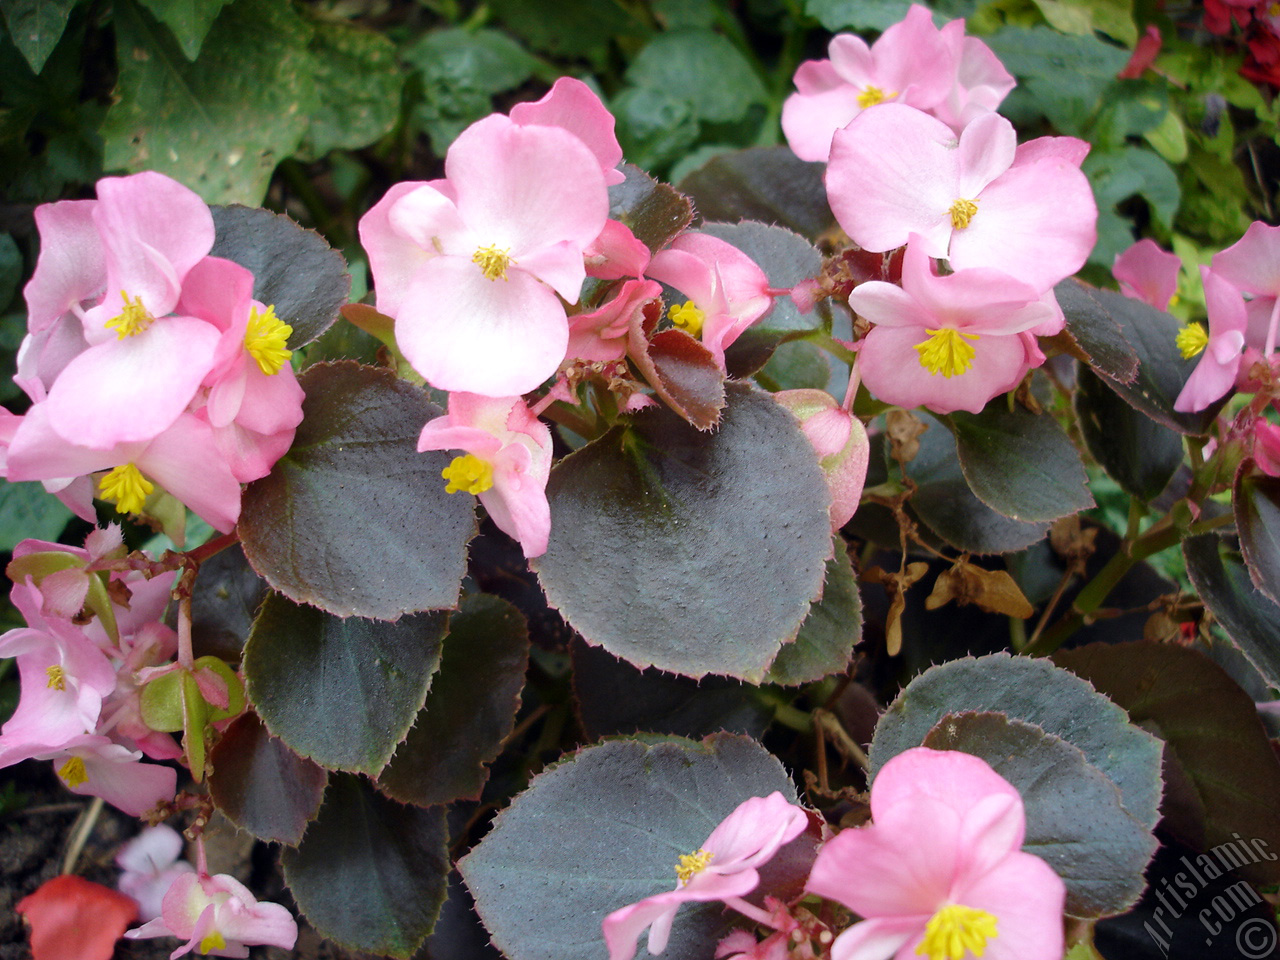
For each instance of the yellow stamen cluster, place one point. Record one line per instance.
(687, 317)
(265, 338)
(692, 863)
(1191, 340)
(493, 262)
(870, 96)
(132, 320)
(468, 473)
(962, 212)
(126, 487)
(73, 773)
(955, 931)
(57, 677)
(946, 352)
(213, 941)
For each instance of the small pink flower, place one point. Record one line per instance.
(1220, 348)
(1252, 266)
(941, 866)
(219, 916)
(840, 440)
(1146, 272)
(149, 864)
(506, 462)
(724, 867)
(1266, 446)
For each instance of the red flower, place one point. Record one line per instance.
(74, 919)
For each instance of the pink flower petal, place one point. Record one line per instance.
(573, 106)
(71, 267)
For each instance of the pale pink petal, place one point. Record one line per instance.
(1070, 150)
(810, 120)
(1148, 273)
(394, 257)
(888, 305)
(71, 267)
(561, 266)
(622, 928)
(616, 253)
(573, 106)
(960, 780)
(1215, 373)
(443, 434)
(463, 332)
(1252, 263)
(132, 389)
(428, 216)
(878, 938)
(601, 335)
(1026, 897)
(217, 291)
(524, 188)
(181, 460)
(986, 150)
(271, 402)
(981, 84)
(257, 923)
(687, 272)
(754, 832)
(916, 61)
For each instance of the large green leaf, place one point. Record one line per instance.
(701, 68)
(1100, 854)
(342, 692)
(1118, 174)
(222, 124)
(1137, 452)
(294, 269)
(261, 785)
(770, 184)
(188, 20)
(696, 553)
(469, 711)
(829, 633)
(1213, 735)
(838, 15)
(1020, 463)
(358, 81)
(353, 519)
(1251, 619)
(370, 873)
(36, 26)
(1256, 499)
(946, 503)
(605, 828)
(1122, 334)
(1036, 692)
(27, 510)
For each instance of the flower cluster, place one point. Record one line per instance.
(918, 157)
(150, 367)
(939, 873)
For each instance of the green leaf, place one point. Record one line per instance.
(1118, 174)
(1106, 323)
(946, 503)
(294, 269)
(342, 692)
(829, 633)
(655, 127)
(261, 785)
(27, 510)
(654, 211)
(701, 68)
(358, 81)
(469, 711)
(370, 874)
(1020, 463)
(769, 184)
(1251, 619)
(837, 15)
(35, 26)
(1101, 857)
(1213, 736)
(615, 698)
(569, 29)
(604, 828)
(353, 519)
(636, 513)
(161, 702)
(461, 71)
(221, 125)
(189, 20)
(1137, 452)
(1035, 692)
(1256, 498)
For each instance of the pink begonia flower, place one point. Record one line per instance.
(470, 266)
(573, 106)
(913, 62)
(182, 459)
(947, 343)
(149, 865)
(1220, 347)
(741, 945)
(1148, 273)
(981, 85)
(601, 335)
(840, 440)
(1252, 266)
(117, 264)
(94, 766)
(977, 200)
(506, 462)
(1266, 447)
(723, 867)
(725, 287)
(940, 872)
(219, 916)
(616, 253)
